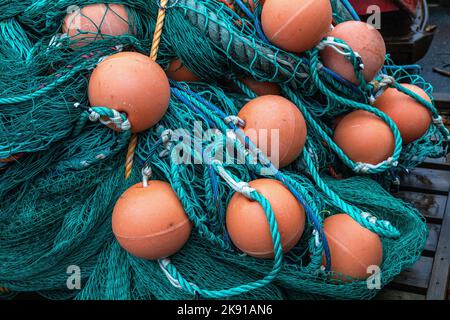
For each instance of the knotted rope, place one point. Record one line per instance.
(153, 55)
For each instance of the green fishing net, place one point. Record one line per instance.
(63, 168)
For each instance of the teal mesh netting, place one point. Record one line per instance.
(62, 170)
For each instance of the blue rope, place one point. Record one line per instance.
(316, 223)
(350, 10)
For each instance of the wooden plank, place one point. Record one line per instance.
(416, 278)
(439, 279)
(442, 100)
(437, 164)
(427, 181)
(432, 241)
(432, 206)
(392, 294)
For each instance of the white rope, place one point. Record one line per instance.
(241, 187)
(163, 265)
(367, 167)
(235, 120)
(166, 137)
(146, 175)
(372, 219)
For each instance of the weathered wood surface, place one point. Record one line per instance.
(392, 294)
(439, 282)
(416, 278)
(427, 181)
(432, 206)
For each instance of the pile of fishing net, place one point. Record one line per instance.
(63, 157)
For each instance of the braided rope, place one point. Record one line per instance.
(357, 167)
(153, 55)
(381, 227)
(177, 280)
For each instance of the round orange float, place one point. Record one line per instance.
(262, 88)
(247, 223)
(364, 137)
(150, 222)
(132, 83)
(94, 21)
(353, 249)
(296, 25)
(276, 127)
(363, 39)
(178, 72)
(412, 119)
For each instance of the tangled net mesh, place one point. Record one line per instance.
(62, 169)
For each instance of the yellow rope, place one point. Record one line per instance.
(153, 55)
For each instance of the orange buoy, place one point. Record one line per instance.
(150, 222)
(131, 82)
(262, 88)
(296, 25)
(353, 248)
(95, 21)
(247, 223)
(276, 127)
(412, 118)
(363, 39)
(364, 137)
(178, 72)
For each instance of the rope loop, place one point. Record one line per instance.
(235, 120)
(167, 138)
(380, 86)
(367, 167)
(347, 52)
(238, 186)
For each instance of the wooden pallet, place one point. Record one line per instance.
(428, 189)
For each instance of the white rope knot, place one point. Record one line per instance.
(367, 167)
(317, 242)
(166, 138)
(387, 80)
(241, 186)
(118, 47)
(94, 116)
(438, 121)
(235, 120)
(244, 188)
(126, 125)
(372, 219)
(115, 120)
(55, 41)
(146, 175)
(380, 86)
